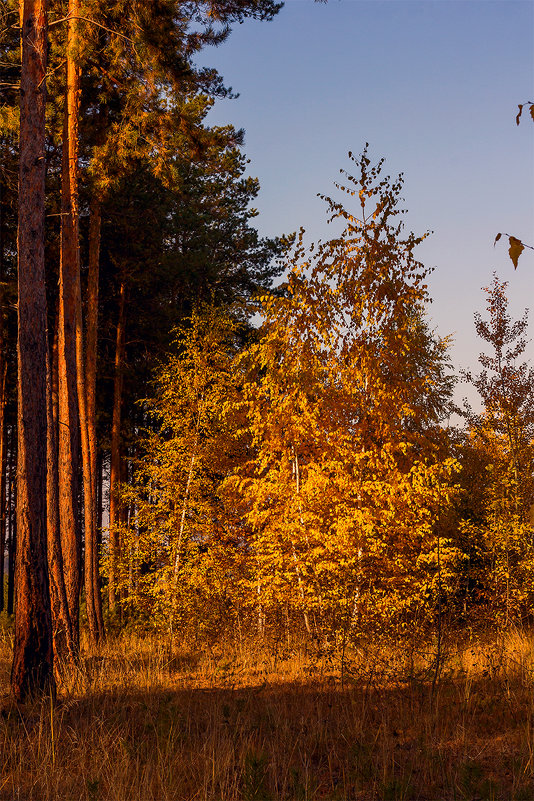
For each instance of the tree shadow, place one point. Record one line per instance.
(273, 740)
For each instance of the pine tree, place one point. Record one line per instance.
(32, 668)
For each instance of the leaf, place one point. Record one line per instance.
(496, 239)
(515, 250)
(520, 107)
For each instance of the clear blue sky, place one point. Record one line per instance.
(433, 86)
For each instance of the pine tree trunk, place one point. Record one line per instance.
(88, 494)
(115, 472)
(63, 635)
(92, 573)
(32, 668)
(11, 520)
(69, 446)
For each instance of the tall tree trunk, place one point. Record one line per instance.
(115, 472)
(92, 573)
(88, 494)
(63, 635)
(32, 668)
(55, 373)
(11, 520)
(69, 447)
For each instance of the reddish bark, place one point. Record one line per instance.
(69, 442)
(64, 645)
(11, 519)
(92, 573)
(32, 668)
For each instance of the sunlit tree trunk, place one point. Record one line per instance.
(92, 573)
(64, 636)
(88, 483)
(69, 448)
(11, 519)
(64, 646)
(32, 668)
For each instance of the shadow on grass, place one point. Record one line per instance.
(275, 740)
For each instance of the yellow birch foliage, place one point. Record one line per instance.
(349, 476)
(180, 556)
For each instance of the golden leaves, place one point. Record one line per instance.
(343, 488)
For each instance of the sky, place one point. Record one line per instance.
(433, 86)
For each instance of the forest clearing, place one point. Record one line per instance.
(255, 541)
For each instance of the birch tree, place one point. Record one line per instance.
(349, 473)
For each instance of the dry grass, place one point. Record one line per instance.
(131, 723)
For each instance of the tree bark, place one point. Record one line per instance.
(32, 669)
(68, 435)
(63, 635)
(115, 472)
(92, 573)
(11, 520)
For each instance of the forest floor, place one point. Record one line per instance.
(131, 723)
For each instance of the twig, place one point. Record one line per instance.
(91, 22)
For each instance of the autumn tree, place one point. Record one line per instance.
(32, 668)
(504, 433)
(180, 557)
(349, 474)
(305, 481)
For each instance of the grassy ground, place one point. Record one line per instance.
(131, 723)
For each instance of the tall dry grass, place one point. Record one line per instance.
(133, 722)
